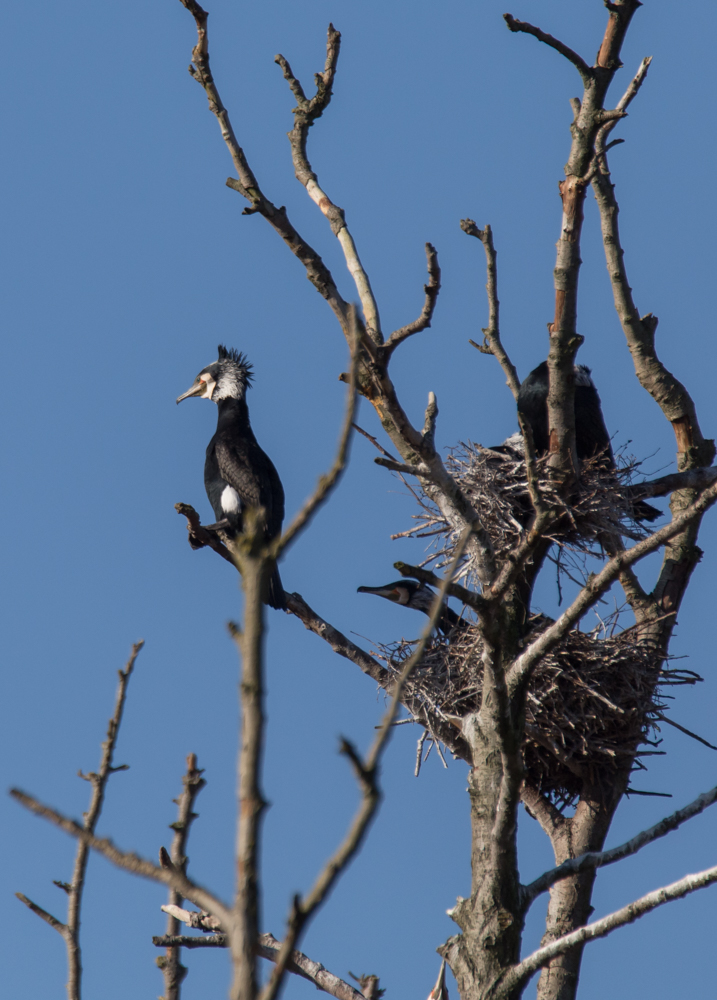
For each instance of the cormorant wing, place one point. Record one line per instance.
(250, 471)
(591, 436)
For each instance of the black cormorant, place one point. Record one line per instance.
(237, 473)
(591, 436)
(420, 596)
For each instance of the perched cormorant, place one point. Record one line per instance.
(237, 473)
(420, 596)
(591, 436)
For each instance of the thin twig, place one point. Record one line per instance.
(128, 860)
(246, 183)
(687, 732)
(71, 930)
(268, 947)
(598, 584)
(328, 482)
(170, 964)
(305, 114)
(367, 772)
(491, 334)
(424, 320)
(554, 43)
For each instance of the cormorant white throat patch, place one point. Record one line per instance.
(230, 500)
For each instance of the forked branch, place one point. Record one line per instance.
(600, 582)
(128, 860)
(246, 183)
(521, 973)
(305, 114)
(599, 859)
(170, 964)
(71, 930)
(267, 947)
(492, 342)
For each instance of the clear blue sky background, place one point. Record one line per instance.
(125, 261)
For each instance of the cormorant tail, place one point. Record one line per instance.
(643, 511)
(276, 598)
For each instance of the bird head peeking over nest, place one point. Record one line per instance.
(227, 378)
(419, 596)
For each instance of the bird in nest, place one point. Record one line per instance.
(238, 474)
(591, 436)
(419, 596)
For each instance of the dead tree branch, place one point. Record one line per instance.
(267, 947)
(247, 184)
(520, 974)
(128, 860)
(598, 584)
(367, 774)
(424, 320)
(70, 931)
(529, 29)
(590, 116)
(599, 859)
(328, 482)
(170, 964)
(305, 114)
(669, 393)
(491, 335)
(691, 479)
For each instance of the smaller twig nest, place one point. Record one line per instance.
(495, 482)
(590, 703)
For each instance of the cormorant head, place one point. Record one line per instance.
(537, 380)
(407, 592)
(228, 378)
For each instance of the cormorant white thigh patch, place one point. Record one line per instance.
(230, 500)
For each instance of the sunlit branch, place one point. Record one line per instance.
(493, 344)
(71, 930)
(367, 772)
(599, 859)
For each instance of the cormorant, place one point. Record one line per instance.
(237, 473)
(420, 596)
(591, 436)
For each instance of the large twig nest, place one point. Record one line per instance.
(590, 703)
(496, 485)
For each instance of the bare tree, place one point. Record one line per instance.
(545, 714)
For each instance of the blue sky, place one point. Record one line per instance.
(126, 260)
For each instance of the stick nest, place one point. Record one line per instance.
(495, 482)
(590, 703)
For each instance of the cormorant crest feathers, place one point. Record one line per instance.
(235, 373)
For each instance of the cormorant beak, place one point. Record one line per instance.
(390, 593)
(200, 388)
